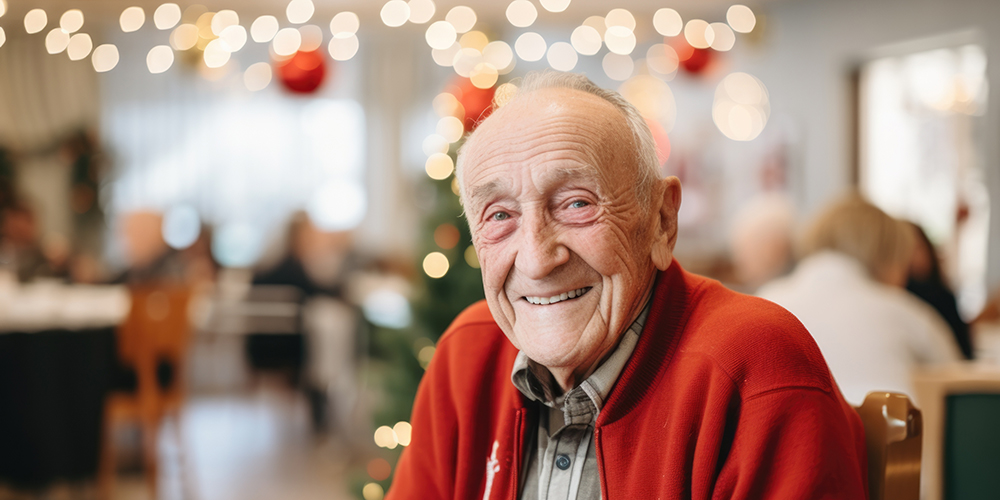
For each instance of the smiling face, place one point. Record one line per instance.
(568, 254)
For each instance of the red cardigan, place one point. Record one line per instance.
(725, 397)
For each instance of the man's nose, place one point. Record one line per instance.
(541, 249)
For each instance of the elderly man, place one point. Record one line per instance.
(597, 367)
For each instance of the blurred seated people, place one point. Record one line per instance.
(848, 292)
(760, 240)
(147, 255)
(20, 248)
(926, 281)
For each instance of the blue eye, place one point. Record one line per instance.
(500, 216)
(578, 204)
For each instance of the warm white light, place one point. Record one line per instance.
(79, 46)
(3, 10)
(3, 36)
(345, 22)
(104, 58)
(312, 37)
(446, 57)
(404, 432)
(620, 17)
(451, 128)
(286, 42)
(159, 59)
(235, 37)
(741, 107)
(224, 19)
(184, 37)
(56, 41)
(723, 38)
(617, 66)
(373, 491)
(562, 56)
(741, 18)
(438, 167)
(167, 16)
(436, 265)
(395, 13)
(555, 5)
(343, 46)
(462, 18)
(421, 11)
(132, 19)
(441, 35)
(71, 20)
(299, 11)
(668, 22)
(257, 76)
(662, 59)
(484, 75)
(530, 46)
(434, 143)
(501, 96)
(596, 22)
(698, 34)
(653, 98)
(498, 54)
(35, 21)
(474, 40)
(586, 40)
(620, 40)
(466, 60)
(216, 55)
(264, 28)
(521, 13)
(385, 438)
(446, 104)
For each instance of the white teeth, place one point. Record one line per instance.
(557, 298)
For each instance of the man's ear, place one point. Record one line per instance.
(667, 195)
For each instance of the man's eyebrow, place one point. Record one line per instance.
(489, 190)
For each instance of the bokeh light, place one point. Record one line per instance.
(667, 22)
(439, 166)
(620, 40)
(299, 11)
(434, 143)
(167, 16)
(312, 37)
(104, 58)
(530, 46)
(562, 56)
(224, 19)
(446, 104)
(373, 491)
(387, 308)
(343, 46)
(436, 266)
(35, 21)
(555, 5)
(446, 57)
(257, 76)
(286, 42)
(421, 11)
(653, 98)
(56, 41)
(395, 13)
(742, 107)
(466, 60)
(498, 54)
(379, 469)
(484, 75)
(662, 58)
(471, 258)
(446, 236)
(345, 22)
(618, 67)
(132, 19)
(79, 46)
(181, 226)
(698, 34)
(71, 20)
(596, 22)
(620, 17)
(159, 59)
(741, 18)
(723, 38)
(339, 205)
(216, 55)
(235, 37)
(441, 35)
(462, 18)
(3, 36)
(264, 28)
(425, 355)
(586, 40)
(184, 37)
(385, 438)
(403, 432)
(521, 13)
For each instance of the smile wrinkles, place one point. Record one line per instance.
(558, 298)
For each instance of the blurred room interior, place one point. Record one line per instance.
(230, 232)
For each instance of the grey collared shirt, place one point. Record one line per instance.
(560, 459)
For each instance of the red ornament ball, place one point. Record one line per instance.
(478, 103)
(692, 60)
(302, 73)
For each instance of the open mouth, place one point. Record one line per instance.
(572, 294)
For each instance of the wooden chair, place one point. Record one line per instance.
(154, 335)
(893, 434)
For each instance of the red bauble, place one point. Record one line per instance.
(693, 60)
(302, 73)
(478, 103)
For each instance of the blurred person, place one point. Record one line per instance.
(848, 292)
(596, 366)
(760, 240)
(20, 248)
(925, 280)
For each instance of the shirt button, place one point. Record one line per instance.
(562, 461)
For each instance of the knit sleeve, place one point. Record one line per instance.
(794, 443)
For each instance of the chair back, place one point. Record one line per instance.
(894, 436)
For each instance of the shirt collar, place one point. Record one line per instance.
(537, 384)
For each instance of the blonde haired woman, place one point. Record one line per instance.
(848, 292)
